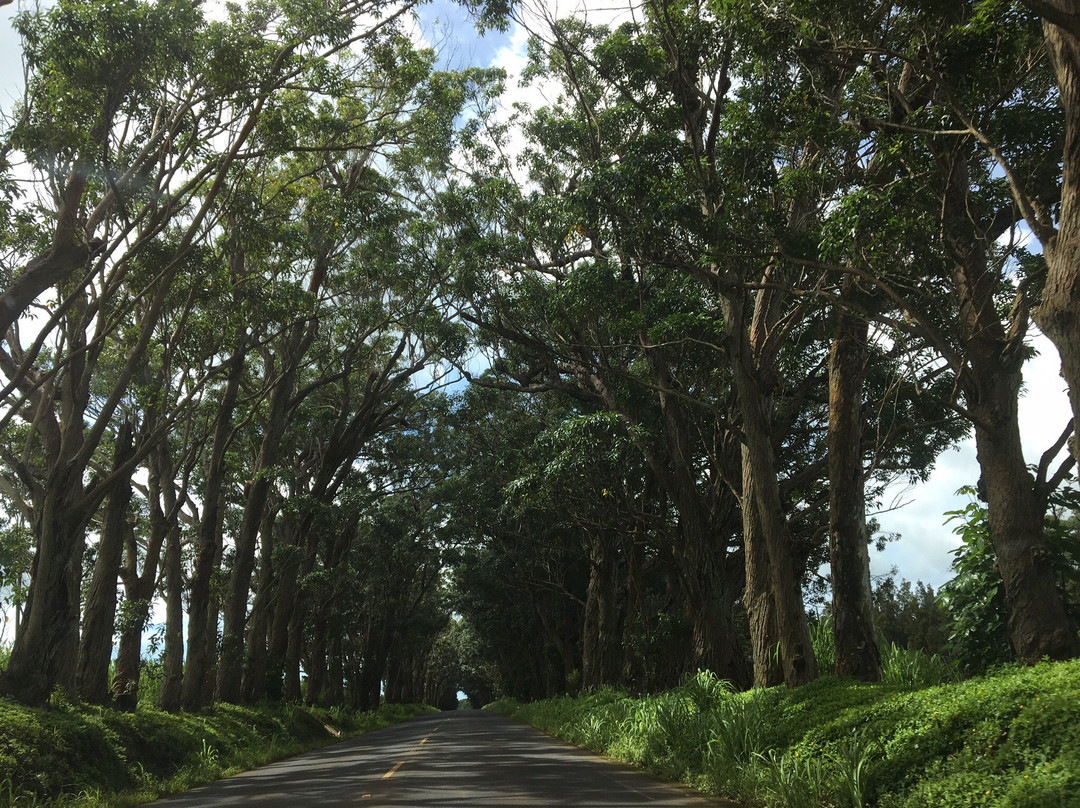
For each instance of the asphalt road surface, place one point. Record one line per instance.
(467, 758)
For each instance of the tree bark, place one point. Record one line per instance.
(1038, 623)
(231, 661)
(172, 675)
(125, 688)
(165, 517)
(375, 651)
(45, 651)
(315, 661)
(99, 616)
(291, 689)
(1058, 312)
(701, 549)
(759, 462)
(602, 631)
(44, 655)
(757, 596)
(208, 542)
(255, 654)
(335, 672)
(857, 652)
(138, 594)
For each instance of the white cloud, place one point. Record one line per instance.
(923, 551)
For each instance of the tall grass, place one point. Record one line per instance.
(1006, 740)
(913, 668)
(899, 666)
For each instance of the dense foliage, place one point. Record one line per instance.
(68, 754)
(740, 270)
(1006, 739)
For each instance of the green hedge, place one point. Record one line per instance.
(68, 754)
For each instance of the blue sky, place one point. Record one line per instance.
(462, 45)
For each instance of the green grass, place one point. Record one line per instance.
(1005, 740)
(69, 754)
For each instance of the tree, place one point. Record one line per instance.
(621, 178)
(1056, 312)
(924, 69)
(975, 596)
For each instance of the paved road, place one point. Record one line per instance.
(469, 758)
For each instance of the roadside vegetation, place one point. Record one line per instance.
(68, 754)
(329, 374)
(1007, 739)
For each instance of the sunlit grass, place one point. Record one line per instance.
(1008, 739)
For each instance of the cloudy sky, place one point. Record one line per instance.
(922, 553)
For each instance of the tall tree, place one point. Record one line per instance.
(122, 135)
(955, 92)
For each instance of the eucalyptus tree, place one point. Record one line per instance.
(587, 473)
(942, 100)
(519, 580)
(648, 161)
(372, 385)
(567, 305)
(1058, 226)
(135, 116)
(99, 614)
(631, 210)
(398, 563)
(131, 537)
(632, 207)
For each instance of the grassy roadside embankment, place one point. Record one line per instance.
(76, 755)
(1004, 740)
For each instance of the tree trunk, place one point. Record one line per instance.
(138, 594)
(165, 517)
(231, 662)
(208, 542)
(291, 689)
(255, 655)
(1038, 623)
(335, 672)
(173, 667)
(99, 616)
(376, 649)
(759, 462)
(602, 631)
(125, 689)
(857, 652)
(139, 587)
(315, 662)
(1058, 313)
(701, 549)
(757, 597)
(44, 655)
(45, 651)
(634, 673)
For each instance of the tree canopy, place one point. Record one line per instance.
(374, 384)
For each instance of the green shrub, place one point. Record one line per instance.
(785, 780)
(71, 752)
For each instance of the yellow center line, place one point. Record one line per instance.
(397, 766)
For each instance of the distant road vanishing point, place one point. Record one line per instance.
(467, 758)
